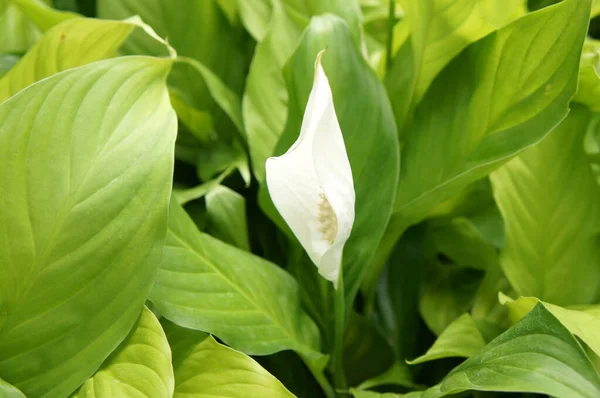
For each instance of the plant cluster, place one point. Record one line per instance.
(311, 198)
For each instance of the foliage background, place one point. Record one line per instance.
(141, 256)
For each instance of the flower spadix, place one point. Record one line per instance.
(311, 184)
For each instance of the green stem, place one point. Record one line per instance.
(340, 324)
(390, 32)
(321, 379)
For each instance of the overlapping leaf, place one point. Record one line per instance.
(440, 29)
(9, 391)
(247, 302)
(502, 94)
(197, 29)
(550, 201)
(588, 90)
(22, 21)
(266, 98)
(205, 368)
(72, 43)
(583, 323)
(87, 163)
(537, 355)
(140, 365)
(460, 339)
(226, 216)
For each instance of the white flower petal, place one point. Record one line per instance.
(295, 191)
(311, 184)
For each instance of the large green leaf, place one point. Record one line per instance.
(140, 365)
(72, 43)
(583, 324)
(502, 94)
(206, 369)
(9, 391)
(550, 201)
(441, 29)
(266, 99)
(537, 355)
(247, 302)
(88, 160)
(367, 124)
(460, 339)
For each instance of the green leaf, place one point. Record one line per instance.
(460, 339)
(265, 103)
(88, 157)
(364, 343)
(485, 304)
(398, 374)
(595, 8)
(9, 391)
(229, 102)
(583, 324)
(255, 16)
(373, 394)
(588, 90)
(441, 30)
(17, 31)
(42, 14)
(361, 107)
(461, 241)
(72, 43)
(264, 106)
(197, 29)
(499, 96)
(205, 369)
(537, 355)
(247, 302)
(22, 21)
(289, 369)
(398, 292)
(550, 201)
(447, 294)
(231, 10)
(226, 216)
(140, 365)
(198, 122)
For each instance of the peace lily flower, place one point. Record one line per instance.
(311, 184)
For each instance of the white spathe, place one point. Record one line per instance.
(311, 184)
